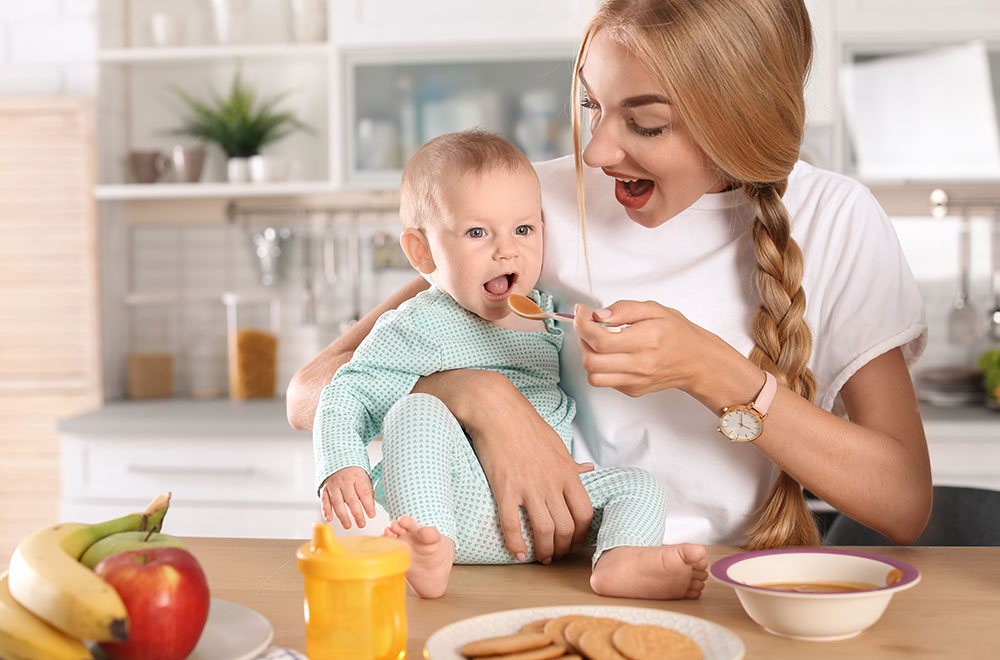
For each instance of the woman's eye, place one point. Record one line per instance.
(587, 103)
(475, 232)
(523, 230)
(647, 132)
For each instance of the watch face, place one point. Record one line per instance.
(741, 425)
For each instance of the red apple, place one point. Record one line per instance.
(166, 595)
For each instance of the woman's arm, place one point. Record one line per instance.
(874, 468)
(525, 460)
(305, 387)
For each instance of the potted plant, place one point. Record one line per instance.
(241, 124)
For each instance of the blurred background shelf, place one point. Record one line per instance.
(153, 191)
(210, 52)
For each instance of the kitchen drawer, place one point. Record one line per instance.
(970, 462)
(217, 469)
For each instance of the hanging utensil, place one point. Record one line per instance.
(994, 314)
(963, 322)
(308, 294)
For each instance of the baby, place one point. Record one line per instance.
(470, 203)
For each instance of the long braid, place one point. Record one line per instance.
(782, 345)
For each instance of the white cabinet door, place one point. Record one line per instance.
(913, 18)
(405, 22)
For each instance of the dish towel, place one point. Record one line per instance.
(278, 653)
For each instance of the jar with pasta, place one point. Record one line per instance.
(252, 323)
(149, 364)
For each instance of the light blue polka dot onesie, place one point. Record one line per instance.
(429, 470)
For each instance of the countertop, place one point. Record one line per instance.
(952, 613)
(185, 417)
(266, 418)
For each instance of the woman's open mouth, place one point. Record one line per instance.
(633, 193)
(500, 287)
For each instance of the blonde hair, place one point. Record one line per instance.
(442, 161)
(735, 71)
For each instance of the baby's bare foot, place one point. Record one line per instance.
(664, 572)
(431, 556)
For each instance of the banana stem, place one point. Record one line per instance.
(151, 519)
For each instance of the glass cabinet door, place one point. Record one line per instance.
(397, 105)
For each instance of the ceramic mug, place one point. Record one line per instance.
(186, 163)
(147, 166)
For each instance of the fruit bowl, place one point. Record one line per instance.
(808, 615)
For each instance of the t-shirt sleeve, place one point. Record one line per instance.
(867, 299)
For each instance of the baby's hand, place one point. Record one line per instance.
(346, 492)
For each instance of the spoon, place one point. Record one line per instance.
(525, 307)
(963, 321)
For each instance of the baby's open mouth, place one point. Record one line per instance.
(501, 285)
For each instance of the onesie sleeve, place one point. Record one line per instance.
(385, 367)
(867, 299)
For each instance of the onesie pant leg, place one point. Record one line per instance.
(629, 508)
(432, 474)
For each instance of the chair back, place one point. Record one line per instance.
(960, 516)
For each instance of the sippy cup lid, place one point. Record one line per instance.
(351, 557)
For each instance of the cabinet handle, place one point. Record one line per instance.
(200, 471)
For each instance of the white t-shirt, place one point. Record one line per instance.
(861, 301)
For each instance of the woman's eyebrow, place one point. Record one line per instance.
(644, 99)
(632, 101)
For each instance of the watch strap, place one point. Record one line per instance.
(763, 401)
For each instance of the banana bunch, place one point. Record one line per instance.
(49, 601)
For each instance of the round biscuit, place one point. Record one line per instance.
(574, 629)
(653, 643)
(556, 627)
(596, 644)
(550, 652)
(506, 644)
(534, 627)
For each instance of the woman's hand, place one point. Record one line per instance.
(660, 349)
(525, 461)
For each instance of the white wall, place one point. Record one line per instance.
(48, 47)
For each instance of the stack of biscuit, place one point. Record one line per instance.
(581, 637)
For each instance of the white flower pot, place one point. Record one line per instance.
(268, 169)
(238, 170)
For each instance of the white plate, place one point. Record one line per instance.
(232, 632)
(716, 642)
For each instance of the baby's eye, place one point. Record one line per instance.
(524, 230)
(476, 232)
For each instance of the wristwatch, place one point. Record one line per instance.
(745, 423)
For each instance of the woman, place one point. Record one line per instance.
(693, 200)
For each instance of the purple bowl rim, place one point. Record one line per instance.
(720, 568)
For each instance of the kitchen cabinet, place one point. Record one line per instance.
(942, 109)
(235, 469)
(964, 445)
(140, 109)
(392, 75)
(905, 19)
(391, 23)
(398, 100)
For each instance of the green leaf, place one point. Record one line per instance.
(239, 123)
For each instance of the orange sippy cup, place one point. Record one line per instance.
(355, 603)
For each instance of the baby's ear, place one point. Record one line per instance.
(417, 250)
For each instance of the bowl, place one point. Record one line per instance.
(813, 616)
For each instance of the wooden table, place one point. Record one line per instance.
(953, 613)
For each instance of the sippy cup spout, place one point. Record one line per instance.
(324, 541)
